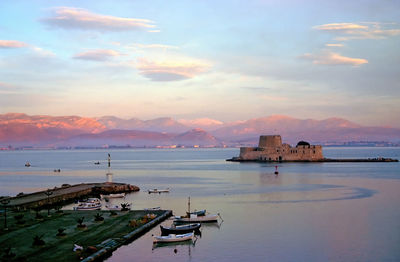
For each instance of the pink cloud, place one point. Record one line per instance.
(78, 18)
(170, 70)
(330, 58)
(365, 30)
(12, 44)
(97, 55)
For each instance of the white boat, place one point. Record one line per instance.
(119, 195)
(197, 219)
(159, 191)
(173, 238)
(152, 208)
(90, 204)
(118, 207)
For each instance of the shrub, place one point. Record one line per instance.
(61, 232)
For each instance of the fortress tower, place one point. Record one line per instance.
(270, 141)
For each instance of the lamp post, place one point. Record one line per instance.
(48, 193)
(4, 203)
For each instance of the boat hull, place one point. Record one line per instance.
(180, 229)
(173, 238)
(197, 219)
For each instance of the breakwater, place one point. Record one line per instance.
(67, 194)
(378, 159)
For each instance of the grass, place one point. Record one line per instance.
(20, 238)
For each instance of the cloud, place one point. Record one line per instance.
(12, 44)
(365, 30)
(78, 18)
(334, 45)
(340, 26)
(170, 70)
(42, 52)
(97, 55)
(331, 58)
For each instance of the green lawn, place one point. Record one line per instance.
(20, 236)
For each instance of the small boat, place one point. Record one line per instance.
(173, 238)
(97, 163)
(90, 204)
(119, 195)
(27, 164)
(197, 213)
(159, 191)
(152, 208)
(180, 229)
(196, 219)
(118, 207)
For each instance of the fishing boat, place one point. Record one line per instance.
(118, 207)
(90, 204)
(173, 238)
(193, 217)
(198, 213)
(159, 191)
(209, 218)
(180, 229)
(119, 195)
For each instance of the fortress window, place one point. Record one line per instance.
(314, 151)
(304, 152)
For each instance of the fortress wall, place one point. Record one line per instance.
(271, 149)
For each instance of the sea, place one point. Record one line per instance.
(308, 212)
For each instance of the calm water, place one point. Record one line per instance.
(309, 212)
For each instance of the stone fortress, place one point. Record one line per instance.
(270, 148)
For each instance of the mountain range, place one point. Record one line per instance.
(21, 130)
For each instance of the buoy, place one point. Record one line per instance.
(276, 170)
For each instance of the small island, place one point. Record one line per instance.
(271, 149)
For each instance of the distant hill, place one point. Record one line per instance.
(294, 130)
(20, 130)
(164, 124)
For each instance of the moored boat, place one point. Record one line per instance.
(197, 213)
(197, 219)
(152, 208)
(173, 238)
(180, 229)
(159, 191)
(90, 204)
(127, 206)
(119, 195)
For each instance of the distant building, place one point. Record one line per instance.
(270, 148)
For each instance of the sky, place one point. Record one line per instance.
(225, 60)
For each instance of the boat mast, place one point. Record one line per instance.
(189, 206)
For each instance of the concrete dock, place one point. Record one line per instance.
(67, 193)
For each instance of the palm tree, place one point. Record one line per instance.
(80, 222)
(98, 217)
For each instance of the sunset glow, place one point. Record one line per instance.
(204, 61)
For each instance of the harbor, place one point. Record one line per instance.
(285, 216)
